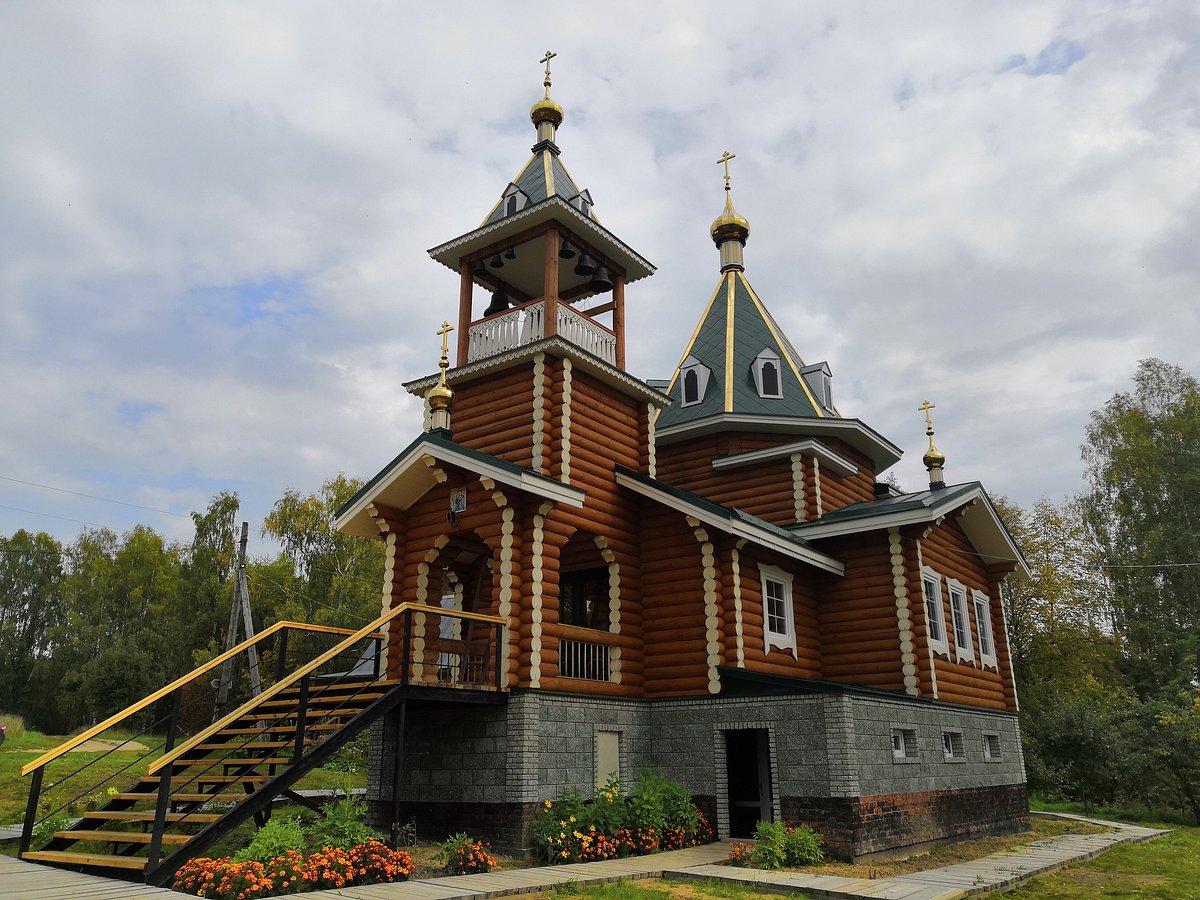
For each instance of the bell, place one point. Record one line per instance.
(601, 282)
(497, 262)
(566, 251)
(510, 253)
(478, 269)
(585, 266)
(498, 305)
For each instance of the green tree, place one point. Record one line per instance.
(337, 578)
(31, 572)
(1143, 506)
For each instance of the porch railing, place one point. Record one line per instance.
(584, 659)
(526, 324)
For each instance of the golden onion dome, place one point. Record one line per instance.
(934, 458)
(546, 110)
(729, 224)
(439, 396)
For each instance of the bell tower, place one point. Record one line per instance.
(543, 259)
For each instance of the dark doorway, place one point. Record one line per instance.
(748, 774)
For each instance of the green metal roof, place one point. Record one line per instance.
(903, 503)
(543, 176)
(734, 329)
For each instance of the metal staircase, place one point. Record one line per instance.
(177, 799)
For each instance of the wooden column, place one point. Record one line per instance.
(550, 291)
(618, 293)
(465, 290)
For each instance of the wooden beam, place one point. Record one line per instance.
(550, 290)
(466, 288)
(618, 308)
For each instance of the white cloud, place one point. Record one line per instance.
(214, 218)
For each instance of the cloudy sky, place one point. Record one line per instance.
(214, 219)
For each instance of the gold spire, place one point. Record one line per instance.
(440, 396)
(934, 459)
(546, 114)
(729, 230)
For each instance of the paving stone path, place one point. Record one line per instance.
(997, 871)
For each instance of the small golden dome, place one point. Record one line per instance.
(546, 110)
(934, 458)
(729, 225)
(439, 396)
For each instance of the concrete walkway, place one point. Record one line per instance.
(997, 871)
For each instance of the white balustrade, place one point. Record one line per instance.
(526, 324)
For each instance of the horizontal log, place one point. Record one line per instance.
(583, 686)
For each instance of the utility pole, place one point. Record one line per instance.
(240, 604)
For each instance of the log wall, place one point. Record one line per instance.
(948, 552)
(838, 491)
(494, 414)
(805, 616)
(859, 632)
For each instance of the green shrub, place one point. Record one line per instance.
(44, 830)
(14, 725)
(275, 839)
(342, 824)
(464, 855)
(779, 845)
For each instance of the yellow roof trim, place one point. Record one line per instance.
(729, 329)
(687, 351)
(782, 346)
(520, 175)
(549, 170)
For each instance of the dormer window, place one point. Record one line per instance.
(513, 200)
(820, 381)
(766, 375)
(582, 201)
(693, 380)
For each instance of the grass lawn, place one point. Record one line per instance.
(657, 889)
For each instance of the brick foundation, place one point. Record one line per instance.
(506, 826)
(857, 827)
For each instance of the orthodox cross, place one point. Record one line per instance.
(546, 59)
(725, 158)
(444, 331)
(925, 408)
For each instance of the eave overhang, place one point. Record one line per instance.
(410, 475)
(834, 462)
(554, 209)
(882, 452)
(730, 521)
(980, 521)
(556, 346)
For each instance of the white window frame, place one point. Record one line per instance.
(937, 645)
(904, 744)
(983, 624)
(513, 191)
(583, 202)
(691, 364)
(954, 749)
(767, 355)
(960, 616)
(786, 639)
(991, 739)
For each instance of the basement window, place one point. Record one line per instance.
(953, 747)
(991, 747)
(963, 649)
(935, 622)
(983, 625)
(904, 744)
(766, 374)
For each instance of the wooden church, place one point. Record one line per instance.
(703, 575)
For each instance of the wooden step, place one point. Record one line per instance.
(121, 837)
(364, 699)
(66, 858)
(345, 712)
(269, 761)
(220, 779)
(281, 729)
(184, 798)
(251, 745)
(147, 815)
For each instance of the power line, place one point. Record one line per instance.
(52, 516)
(50, 487)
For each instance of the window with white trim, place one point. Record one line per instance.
(963, 647)
(513, 200)
(767, 377)
(779, 627)
(991, 747)
(953, 746)
(904, 743)
(983, 625)
(693, 379)
(582, 201)
(935, 621)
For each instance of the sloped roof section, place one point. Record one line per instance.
(543, 176)
(734, 330)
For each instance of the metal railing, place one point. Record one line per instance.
(584, 659)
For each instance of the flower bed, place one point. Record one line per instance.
(659, 815)
(371, 862)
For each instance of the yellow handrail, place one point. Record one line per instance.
(308, 667)
(51, 755)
